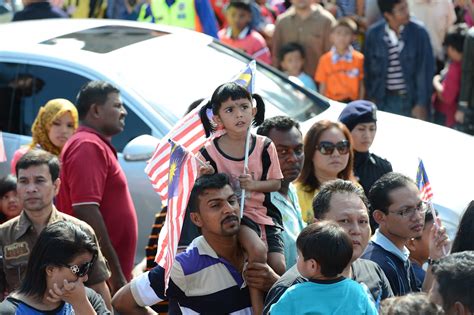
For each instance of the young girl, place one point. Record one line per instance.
(232, 106)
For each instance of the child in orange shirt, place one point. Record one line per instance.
(341, 70)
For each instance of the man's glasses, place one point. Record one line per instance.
(81, 270)
(408, 212)
(327, 148)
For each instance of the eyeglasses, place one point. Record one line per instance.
(327, 148)
(81, 270)
(408, 212)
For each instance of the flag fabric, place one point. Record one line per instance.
(181, 177)
(190, 133)
(3, 154)
(423, 183)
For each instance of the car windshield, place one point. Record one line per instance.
(199, 72)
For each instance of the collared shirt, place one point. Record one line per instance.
(385, 243)
(347, 56)
(395, 80)
(17, 238)
(249, 41)
(292, 222)
(200, 282)
(312, 33)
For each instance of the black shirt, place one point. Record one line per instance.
(363, 271)
(39, 10)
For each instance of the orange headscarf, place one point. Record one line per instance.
(46, 116)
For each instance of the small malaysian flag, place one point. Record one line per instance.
(423, 183)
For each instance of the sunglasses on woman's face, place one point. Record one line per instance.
(81, 270)
(327, 148)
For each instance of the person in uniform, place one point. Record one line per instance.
(360, 117)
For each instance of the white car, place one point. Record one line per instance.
(160, 71)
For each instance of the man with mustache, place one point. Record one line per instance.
(94, 188)
(346, 204)
(400, 213)
(207, 277)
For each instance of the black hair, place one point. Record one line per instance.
(233, 91)
(37, 157)
(386, 6)
(322, 201)
(207, 181)
(93, 92)
(57, 245)
(240, 4)
(346, 22)
(280, 123)
(289, 48)
(328, 244)
(456, 36)
(464, 239)
(193, 105)
(7, 184)
(413, 303)
(455, 276)
(379, 192)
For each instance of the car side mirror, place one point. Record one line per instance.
(140, 148)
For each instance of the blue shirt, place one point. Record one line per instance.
(292, 222)
(200, 282)
(308, 82)
(340, 296)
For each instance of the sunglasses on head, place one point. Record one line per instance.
(327, 148)
(81, 270)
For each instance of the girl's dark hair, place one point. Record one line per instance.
(234, 92)
(57, 245)
(464, 239)
(7, 184)
(307, 176)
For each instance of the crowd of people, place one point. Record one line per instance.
(326, 226)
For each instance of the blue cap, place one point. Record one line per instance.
(358, 112)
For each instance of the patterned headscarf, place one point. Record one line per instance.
(47, 115)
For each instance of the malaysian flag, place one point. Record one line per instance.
(423, 183)
(181, 177)
(190, 133)
(3, 154)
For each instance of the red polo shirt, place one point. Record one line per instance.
(91, 174)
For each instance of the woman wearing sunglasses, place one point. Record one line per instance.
(327, 156)
(55, 275)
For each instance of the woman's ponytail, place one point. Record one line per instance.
(206, 123)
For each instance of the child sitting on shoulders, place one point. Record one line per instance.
(324, 251)
(291, 57)
(240, 35)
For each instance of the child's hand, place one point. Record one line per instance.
(438, 241)
(72, 292)
(208, 169)
(247, 182)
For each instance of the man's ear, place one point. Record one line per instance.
(57, 184)
(94, 110)
(196, 218)
(379, 216)
(461, 309)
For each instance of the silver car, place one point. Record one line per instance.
(160, 71)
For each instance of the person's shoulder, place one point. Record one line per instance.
(70, 218)
(364, 265)
(326, 57)
(320, 12)
(381, 161)
(376, 27)
(8, 228)
(9, 306)
(357, 55)
(255, 35)
(288, 14)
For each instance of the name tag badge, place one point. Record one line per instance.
(16, 250)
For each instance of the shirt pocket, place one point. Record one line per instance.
(14, 272)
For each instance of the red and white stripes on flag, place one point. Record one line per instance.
(3, 154)
(423, 183)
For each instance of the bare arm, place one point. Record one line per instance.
(361, 90)
(124, 302)
(246, 182)
(90, 213)
(104, 292)
(322, 88)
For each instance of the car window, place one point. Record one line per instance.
(25, 88)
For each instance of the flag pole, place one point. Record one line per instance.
(246, 165)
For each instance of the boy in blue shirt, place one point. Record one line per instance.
(324, 250)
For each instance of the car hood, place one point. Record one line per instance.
(447, 155)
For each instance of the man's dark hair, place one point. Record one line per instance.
(464, 239)
(386, 6)
(289, 48)
(328, 244)
(280, 123)
(455, 276)
(212, 181)
(456, 36)
(7, 184)
(37, 157)
(379, 192)
(93, 92)
(321, 202)
(57, 245)
(240, 4)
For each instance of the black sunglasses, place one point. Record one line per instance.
(327, 148)
(81, 270)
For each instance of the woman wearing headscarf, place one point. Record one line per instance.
(55, 123)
